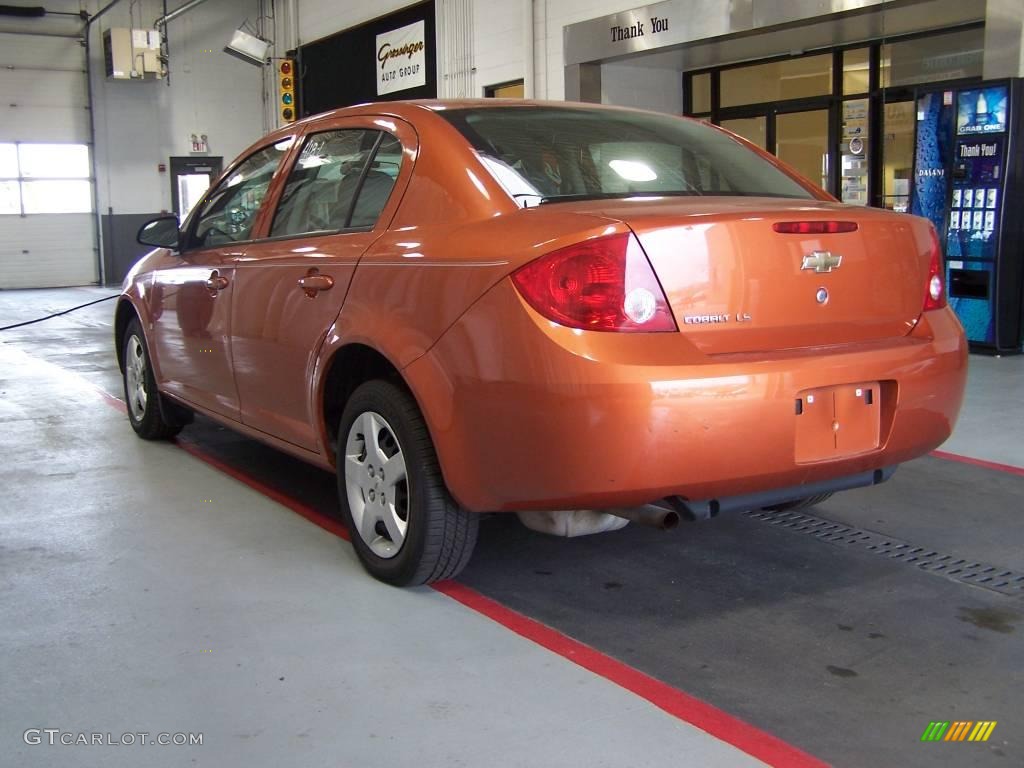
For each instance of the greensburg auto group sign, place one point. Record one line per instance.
(401, 59)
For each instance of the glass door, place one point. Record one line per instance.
(897, 155)
(753, 129)
(801, 141)
(190, 178)
(799, 138)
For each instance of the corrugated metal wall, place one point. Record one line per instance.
(43, 99)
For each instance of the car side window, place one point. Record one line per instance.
(229, 212)
(379, 181)
(320, 189)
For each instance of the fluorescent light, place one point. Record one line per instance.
(632, 170)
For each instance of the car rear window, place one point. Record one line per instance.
(550, 154)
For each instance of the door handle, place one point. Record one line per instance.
(216, 282)
(313, 283)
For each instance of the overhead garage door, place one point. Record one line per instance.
(47, 224)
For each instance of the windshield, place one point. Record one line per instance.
(549, 154)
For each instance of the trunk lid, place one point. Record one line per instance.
(737, 285)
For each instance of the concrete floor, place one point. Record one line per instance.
(142, 590)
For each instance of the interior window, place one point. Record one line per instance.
(795, 78)
(379, 181)
(323, 184)
(229, 211)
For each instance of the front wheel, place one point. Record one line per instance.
(406, 528)
(140, 393)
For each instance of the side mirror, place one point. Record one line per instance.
(161, 232)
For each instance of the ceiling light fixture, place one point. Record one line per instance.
(248, 47)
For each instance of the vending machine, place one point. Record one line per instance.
(969, 180)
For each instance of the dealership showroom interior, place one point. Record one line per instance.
(548, 383)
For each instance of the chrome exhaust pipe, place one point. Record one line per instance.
(651, 515)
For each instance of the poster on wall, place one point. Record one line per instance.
(401, 59)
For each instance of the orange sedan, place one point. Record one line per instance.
(465, 307)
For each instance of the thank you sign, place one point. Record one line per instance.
(401, 59)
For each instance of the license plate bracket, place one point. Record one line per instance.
(837, 421)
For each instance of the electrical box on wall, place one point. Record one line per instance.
(132, 54)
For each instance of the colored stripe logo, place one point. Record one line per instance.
(959, 730)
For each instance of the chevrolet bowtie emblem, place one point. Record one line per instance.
(821, 261)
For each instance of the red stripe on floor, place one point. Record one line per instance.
(112, 400)
(721, 725)
(296, 506)
(979, 462)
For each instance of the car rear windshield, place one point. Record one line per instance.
(548, 154)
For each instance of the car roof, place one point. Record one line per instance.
(410, 108)
(438, 105)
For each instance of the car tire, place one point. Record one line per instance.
(146, 412)
(807, 503)
(405, 527)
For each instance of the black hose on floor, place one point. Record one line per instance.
(58, 314)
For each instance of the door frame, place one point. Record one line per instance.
(181, 166)
(771, 110)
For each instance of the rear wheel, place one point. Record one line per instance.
(807, 503)
(405, 527)
(145, 411)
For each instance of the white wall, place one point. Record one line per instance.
(497, 42)
(499, 49)
(320, 18)
(498, 33)
(141, 124)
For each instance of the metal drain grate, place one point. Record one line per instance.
(983, 575)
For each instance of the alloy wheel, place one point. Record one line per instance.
(135, 377)
(376, 484)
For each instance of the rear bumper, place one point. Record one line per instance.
(703, 509)
(528, 415)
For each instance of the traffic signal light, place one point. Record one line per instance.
(286, 91)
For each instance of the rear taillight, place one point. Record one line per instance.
(814, 227)
(935, 288)
(604, 284)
